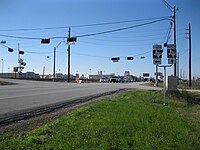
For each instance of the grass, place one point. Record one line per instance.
(195, 85)
(133, 120)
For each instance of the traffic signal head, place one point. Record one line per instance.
(21, 52)
(10, 49)
(129, 58)
(45, 41)
(23, 63)
(115, 59)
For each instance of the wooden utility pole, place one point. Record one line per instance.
(68, 79)
(190, 59)
(54, 64)
(174, 21)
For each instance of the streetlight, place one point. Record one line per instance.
(54, 60)
(2, 68)
(44, 68)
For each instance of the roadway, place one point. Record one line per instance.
(32, 94)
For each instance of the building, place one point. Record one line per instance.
(27, 75)
(99, 76)
(127, 73)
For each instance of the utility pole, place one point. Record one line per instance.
(68, 79)
(190, 49)
(174, 25)
(54, 64)
(2, 68)
(19, 63)
(43, 72)
(54, 60)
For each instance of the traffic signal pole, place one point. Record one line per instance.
(68, 79)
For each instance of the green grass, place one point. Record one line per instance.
(160, 84)
(133, 120)
(195, 85)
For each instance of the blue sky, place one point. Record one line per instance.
(95, 52)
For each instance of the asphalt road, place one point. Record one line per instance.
(32, 94)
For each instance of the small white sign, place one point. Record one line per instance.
(157, 47)
(157, 61)
(171, 60)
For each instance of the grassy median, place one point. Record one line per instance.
(132, 120)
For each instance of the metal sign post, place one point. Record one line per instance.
(164, 66)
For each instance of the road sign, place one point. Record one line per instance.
(157, 47)
(15, 69)
(157, 53)
(171, 60)
(157, 61)
(158, 73)
(171, 51)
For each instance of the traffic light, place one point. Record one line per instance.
(72, 39)
(10, 50)
(21, 52)
(3, 42)
(129, 58)
(115, 59)
(23, 63)
(45, 41)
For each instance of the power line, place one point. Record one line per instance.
(168, 5)
(20, 37)
(86, 25)
(90, 34)
(85, 42)
(121, 29)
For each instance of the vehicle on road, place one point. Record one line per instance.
(104, 80)
(115, 80)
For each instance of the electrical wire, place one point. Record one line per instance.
(121, 29)
(90, 34)
(168, 5)
(124, 45)
(87, 25)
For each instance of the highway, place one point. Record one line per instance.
(34, 94)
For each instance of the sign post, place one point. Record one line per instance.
(164, 66)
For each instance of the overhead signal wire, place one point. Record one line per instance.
(16, 49)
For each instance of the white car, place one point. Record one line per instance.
(103, 80)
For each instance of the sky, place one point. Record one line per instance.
(90, 54)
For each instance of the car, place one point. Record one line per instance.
(114, 80)
(104, 80)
